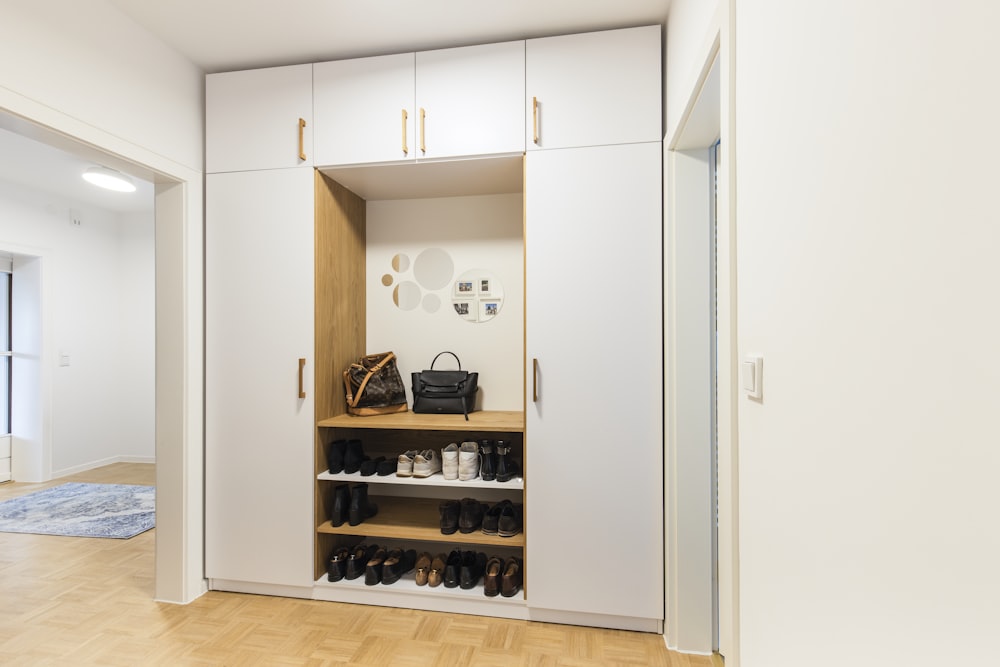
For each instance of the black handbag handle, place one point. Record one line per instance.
(446, 352)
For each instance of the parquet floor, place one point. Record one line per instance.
(83, 601)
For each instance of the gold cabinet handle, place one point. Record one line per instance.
(534, 120)
(423, 144)
(302, 143)
(302, 389)
(406, 150)
(534, 380)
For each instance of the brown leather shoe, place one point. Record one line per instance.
(510, 582)
(491, 578)
(423, 568)
(436, 574)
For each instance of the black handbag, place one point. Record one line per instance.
(373, 386)
(445, 392)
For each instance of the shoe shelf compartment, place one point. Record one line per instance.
(411, 519)
(495, 421)
(435, 480)
(408, 584)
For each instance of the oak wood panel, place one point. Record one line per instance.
(497, 421)
(415, 519)
(340, 311)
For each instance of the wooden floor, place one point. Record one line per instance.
(87, 601)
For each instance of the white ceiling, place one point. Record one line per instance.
(222, 35)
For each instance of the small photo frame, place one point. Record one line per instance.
(484, 287)
(465, 288)
(466, 309)
(488, 309)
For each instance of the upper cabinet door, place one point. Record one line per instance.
(258, 119)
(593, 89)
(470, 100)
(364, 110)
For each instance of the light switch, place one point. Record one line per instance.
(750, 376)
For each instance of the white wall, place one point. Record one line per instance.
(688, 25)
(96, 283)
(867, 135)
(481, 232)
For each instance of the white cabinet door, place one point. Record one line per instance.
(594, 436)
(364, 110)
(258, 119)
(258, 323)
(469, 100)
(593, 89)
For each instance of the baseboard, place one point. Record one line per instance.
(84, 467)
(654, 625)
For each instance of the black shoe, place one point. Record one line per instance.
(358, 559)
(353, 457)
(336, 566)
(397, 564)
(335, 456)
(471, 517)
(487, 465)
(341, 505)
(492, 517)
(373, 568)
(449, 510)
(473, 565)
(369, 466)
(361, 507)
(451, 569)
(510, 521)
(386, 467)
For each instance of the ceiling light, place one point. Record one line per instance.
(109, 178)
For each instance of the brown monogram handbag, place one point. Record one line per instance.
(373, 386)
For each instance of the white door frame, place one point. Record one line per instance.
(179, 331)
(707, 117)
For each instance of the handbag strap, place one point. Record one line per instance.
(372, 371)
(446, 352)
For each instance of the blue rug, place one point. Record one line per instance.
(82, 510)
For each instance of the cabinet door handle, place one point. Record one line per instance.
(302, 143)
(534, 380)
(302, 389)
(534, 120)
(406, 150)
(423, 144)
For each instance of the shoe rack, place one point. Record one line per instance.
(407, 514)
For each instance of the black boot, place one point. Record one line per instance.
(487, 467)
(354, 457)
(341, 505)
(361, 508)
(335, 456)
(506, 467)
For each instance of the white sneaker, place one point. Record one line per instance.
(468, 461)
(404, 466)
(426, 463)
(449, 461)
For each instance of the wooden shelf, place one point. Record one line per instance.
(437, 479)
(410, 519)
(500, 421)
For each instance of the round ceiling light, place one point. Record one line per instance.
(109, 178)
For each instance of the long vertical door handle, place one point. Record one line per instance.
(406, 149)
(534, 380)
(302, 141)
(302, 389)
(534, 120)
(423, 143)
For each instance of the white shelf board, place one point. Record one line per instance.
(408, 585)
(437, 479)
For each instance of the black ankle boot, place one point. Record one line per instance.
(354, 457)
(341, 505)
(361, 508)
(506, 468)
(335, 456)
(487, 466)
